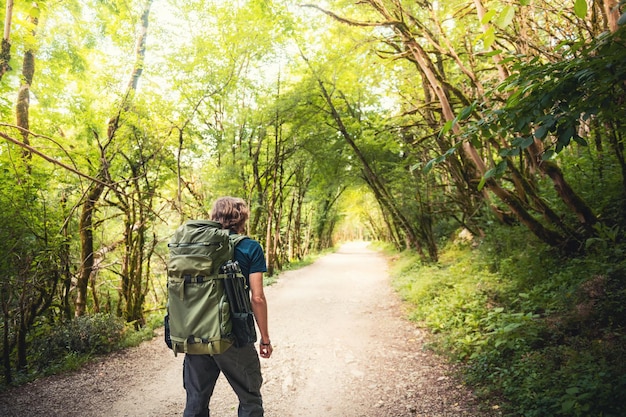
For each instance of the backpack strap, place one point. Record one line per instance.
(224, 269)
(236, 238)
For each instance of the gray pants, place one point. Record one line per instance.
(242, 369)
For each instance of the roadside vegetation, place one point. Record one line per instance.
(56, 348)
(536, 333)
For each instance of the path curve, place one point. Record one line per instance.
(341, 349)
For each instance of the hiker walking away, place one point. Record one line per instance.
(240, 365)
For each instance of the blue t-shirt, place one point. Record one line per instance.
(250, 256)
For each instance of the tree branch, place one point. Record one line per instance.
(350, 21)
(50, 159)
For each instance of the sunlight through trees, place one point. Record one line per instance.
(396, 121)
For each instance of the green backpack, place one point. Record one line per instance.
(206, 290)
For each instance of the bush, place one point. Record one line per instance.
(87, 335)
(539, 334)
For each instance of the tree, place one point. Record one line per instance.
(86, 225)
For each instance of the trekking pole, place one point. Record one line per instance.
(233, 287)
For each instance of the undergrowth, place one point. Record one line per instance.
(537, 334)
(62, 347)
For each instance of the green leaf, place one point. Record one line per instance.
(509, 152)
(527, 142)
(517, 141)
(501, 167)
(567, 406)
(450, 152)
(524, 2)
(566, 135)
(490, 173)
(447, 127)
(35, 12)
(487, 17)
(481, 184)
(428, 167)
(510, 327)
(580, 8)
(580, 141)
(506, 17)
(542, 132)
(493, 53)
(489, 37)
(523, 141)
(465, 112)
(498, 170)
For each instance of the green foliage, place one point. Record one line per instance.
(537, 334)
(449, 297)
(135, 335)
(59, 347)
(580, 8)
(66, 346)
(556, 98)
(87, 335)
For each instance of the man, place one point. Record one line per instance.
(240, 365)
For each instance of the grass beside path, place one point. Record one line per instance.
(535, 333)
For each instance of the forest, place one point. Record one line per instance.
(468, 137)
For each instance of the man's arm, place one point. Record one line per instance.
(259, 307)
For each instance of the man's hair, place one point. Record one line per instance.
(231, 212)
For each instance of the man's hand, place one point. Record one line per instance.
(265, 349)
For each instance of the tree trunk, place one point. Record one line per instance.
(513, 202)
(6, 343)
(5, 51)
(22, 107)
(325, 222)
(270, 249)
(85, 228)
(426, 226)
(578, 206)
(66, 265)
(133, 290)
(276, 244)
(300, 191)
(393, 230)
(617, 143)
(140, 48)
(612, 12)
(497, 58)
(524, 187)
(257, 209)
(582, 211)
(290, 228)
(22, 329)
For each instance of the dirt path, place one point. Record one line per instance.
(341, 349)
